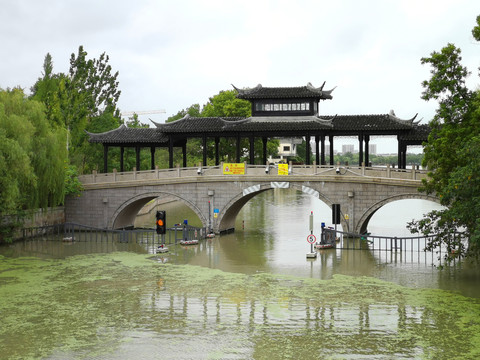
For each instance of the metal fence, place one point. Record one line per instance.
(76, 232)
(351, 241)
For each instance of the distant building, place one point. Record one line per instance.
(287, 148)
(348, 148)
(372, 148)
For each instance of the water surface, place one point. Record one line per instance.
(248, 295)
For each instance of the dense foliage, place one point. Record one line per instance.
(452, 155)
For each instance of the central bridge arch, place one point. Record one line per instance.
(228, 215)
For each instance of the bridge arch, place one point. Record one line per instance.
(228, 215)
(367, 215)
(125, 214)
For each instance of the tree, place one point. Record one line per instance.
(84, 99)
(451, 155)
(33, 155)
(46, 90)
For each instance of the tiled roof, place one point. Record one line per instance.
(126, 135)
(285, 123)
(370, 123)
(308, 91)
(189, 124)
(337, 125)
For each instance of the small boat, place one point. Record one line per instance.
(162, 249)
(324, 246)
(188, 242)
(68, 239)
(211, 235)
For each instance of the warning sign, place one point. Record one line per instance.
(282, 169)
(234, 169)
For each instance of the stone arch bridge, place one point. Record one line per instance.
(113, 200)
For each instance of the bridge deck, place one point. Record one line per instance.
(259, 173)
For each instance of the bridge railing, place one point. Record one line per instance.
(255, 170)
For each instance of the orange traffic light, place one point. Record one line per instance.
(161, 222)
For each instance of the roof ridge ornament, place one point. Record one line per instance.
(331, 119)
(160, 125)
(322, 121)
(394, 117)
(121, 127)
(247, 90)
(229, 123)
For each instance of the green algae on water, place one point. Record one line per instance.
(90, 305)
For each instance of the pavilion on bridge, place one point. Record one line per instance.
(277, 112)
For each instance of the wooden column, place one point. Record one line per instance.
(360, 151)
(307, 150)
(122, 152)
(137, 157)
(184, 153)
(317, 150)
(252, 150)
(330, 139)
(170, 152)
(217, 159)
(204, 146)
(105, 158)
(238, 150)
(322, 151)
(367, 150)
(264, 149)
(399, 153)
(152, 157)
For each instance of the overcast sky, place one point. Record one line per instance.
(172, 54)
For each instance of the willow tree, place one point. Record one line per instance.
(452, 154)
(32, 155)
